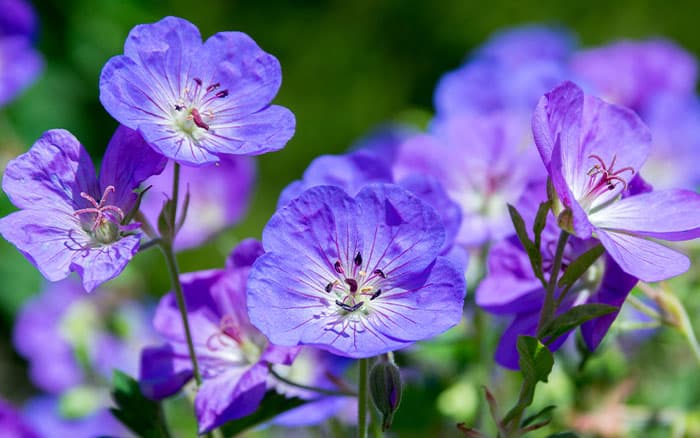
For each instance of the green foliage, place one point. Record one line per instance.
(579, 266)
(573, 318)
(141, 415)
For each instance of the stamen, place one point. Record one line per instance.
(222, 94)
(329, 286)
(352, 283)
(338, 267)
(179, 107)
(380, 273)
(358, 259)
(347, 307)
(376, 294)
(213, 87)
(198, 81)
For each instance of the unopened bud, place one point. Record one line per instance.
(385, 388)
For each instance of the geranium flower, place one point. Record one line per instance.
(511, 289)
(592, 150)
(218, 197)
(192, 101)
(233, 355)
(69, 220)
(355, 276)
(12, 424)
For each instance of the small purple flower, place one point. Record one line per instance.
(629, 73)
(69, 220)
(355, 276)
(66, 335)
(195, 102)
(20, 62)
(219, 197)
(509, 72)
(510, 287)
(592, 150)
(484, 162)
(12, 425)
(233, 355)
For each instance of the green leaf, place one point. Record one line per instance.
(272, 405)
(536, 363)
(140, 414)
(537, 228)
(533, 252)
(165, 225)
(544, 411)
(579, 266)
(574, 317)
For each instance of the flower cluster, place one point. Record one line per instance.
(541, 183)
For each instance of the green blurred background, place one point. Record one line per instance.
(348, 66)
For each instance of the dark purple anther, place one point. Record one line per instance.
(179, 107)
(376, 294)
(213, 87)
(358, 259)
(198, 81)
(352, 283)
(380, 273)
(222, 94)
(338, 267)
(347, 307)
(329, 286)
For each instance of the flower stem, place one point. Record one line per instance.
(166, 245)
(363, 398)
(309, 388)
(549, 307)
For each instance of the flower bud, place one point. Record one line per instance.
(385, 389)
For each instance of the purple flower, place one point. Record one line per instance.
(44, 415)
(484, 162)
(510, 72)
(12, 425)
(510, 287)
(629, 73)
(17, 18)
(371, 162)
(355, 276)
(233, 355)
(195, 102)
(21, 64)
(66, 335)
(592, 150)
(219, 197)
(69, 220)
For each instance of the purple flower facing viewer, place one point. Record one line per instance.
(219, 197)
(233, 355)
(592, 150)
(511, 289)
(195, 102)
(69, 220)
(355, 276)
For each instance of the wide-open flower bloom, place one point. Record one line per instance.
(509, 72)
(592, 150)
(233, 355)
(511, 289)
(195, 102)
(356, 276)
(20, 62)
(219, 197)
(483, 161)
(69, 220)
